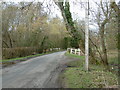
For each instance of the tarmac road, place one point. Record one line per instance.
(34, 73)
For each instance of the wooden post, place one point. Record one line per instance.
(87, 36)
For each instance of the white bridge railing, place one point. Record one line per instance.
(75, 51)
(52, 49)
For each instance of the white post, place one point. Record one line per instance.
(71, 50)
(75, 51)
(87, 37)
(79, 52)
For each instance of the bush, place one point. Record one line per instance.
(8, 53)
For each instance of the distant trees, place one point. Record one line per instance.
(116, 8)
(27, 25)
(8, 14)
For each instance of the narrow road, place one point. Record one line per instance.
(33, 73)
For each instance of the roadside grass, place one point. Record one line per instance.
(73, 55)
(23, 58)
(113, 57)
(20, 58)
(113, 61)
(77, 77)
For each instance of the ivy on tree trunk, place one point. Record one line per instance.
(70, 26)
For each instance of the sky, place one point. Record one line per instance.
(78, 12)
(75, 7)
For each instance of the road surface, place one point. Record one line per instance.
(38, 72)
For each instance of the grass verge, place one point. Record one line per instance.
(21, 58)
(97, 77)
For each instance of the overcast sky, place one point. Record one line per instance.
(78, 12)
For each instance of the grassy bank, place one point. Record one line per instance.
(77, 77)
(20, 58)
(23, 58)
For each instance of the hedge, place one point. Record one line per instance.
(8, 53)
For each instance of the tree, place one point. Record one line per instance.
(70, 26)
(8, 16)
(117, 10)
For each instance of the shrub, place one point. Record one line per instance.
(8, 53)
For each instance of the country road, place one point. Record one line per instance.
(38, 72)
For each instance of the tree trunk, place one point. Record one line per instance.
(10, 39)
(104, 50)
(5, 43)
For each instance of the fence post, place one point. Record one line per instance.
(75, 51)
(71, 51)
